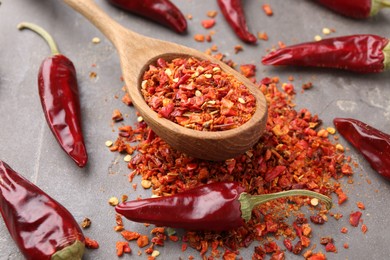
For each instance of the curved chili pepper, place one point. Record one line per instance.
(358, 9)
(217, 206)
(59, 94)
(373, 144)
(234, 15)
(41, 227)
(364, 53)
(160, 11)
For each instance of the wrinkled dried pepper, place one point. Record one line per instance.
(42, 228)
(358, 9)
(234, 14)
(364, 53)
(217, 206)
(59, 94)
(373, 144)
(160, 11)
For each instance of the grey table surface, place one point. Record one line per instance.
(29, 147)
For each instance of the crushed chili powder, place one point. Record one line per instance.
(289, 155)
(197, 94)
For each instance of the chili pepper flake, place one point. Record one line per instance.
(262, 36)
(117, 115)
(91, 243)
(364, 228)
(360, 205)
(354, 218)
(344, 230)
(208, 23)
(122, 247)
(290, 140)
(142, 241)
(198, 95)
(267, 9)
(199, 37)
(130, 235)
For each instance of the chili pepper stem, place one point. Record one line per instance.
(377, 5)
(74, 251)
(43, 33)
(386, 52)
(248, 202)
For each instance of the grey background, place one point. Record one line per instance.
(29, 147)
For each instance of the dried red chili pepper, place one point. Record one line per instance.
(58, 91)
(217, 206)
(364, 53)
(234, 15)
(373, 144)
(359, 9)
(40, 226)
(160, 11)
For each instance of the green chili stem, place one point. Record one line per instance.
(386, 53)
(74, 251)
(43, 33)
(248, 202)
(385, 3)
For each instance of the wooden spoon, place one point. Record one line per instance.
(137, 52)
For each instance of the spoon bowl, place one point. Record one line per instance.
(137, 52)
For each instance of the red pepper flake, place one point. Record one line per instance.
(361, 205)
(307, 86)
(248, 70)
(127, 100)
(199, 37)
(129, 235)
(342, 197)
(344, 230)
(208, 23)
(267, 9)
(290, 140)
(142, 241)
(122, 247)
(288, 244)
(330, 247)
(197, 95)
(317, 256)
(346, 245)
(91, 244)
(281, 44)
(364, 228)
(117, 115)
(184, 247)
(354, 218)
(317, 219)
(262, 36)
(212, 13)
(238, 48)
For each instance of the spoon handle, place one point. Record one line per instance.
(110, 28)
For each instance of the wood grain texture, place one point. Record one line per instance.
(136, 52)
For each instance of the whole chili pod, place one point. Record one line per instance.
(365, 53)
(40, 226)
(234, 15)
(358, 9)
(217, 206)
(373, 144)
(59, 95)
(160, 11)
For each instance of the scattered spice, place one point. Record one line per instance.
(212, 13)
(354, 218)
(290, 140)
(197, 94)
(267, 9)
(262, 36)
(199, 37)
(91, 244)
(117, 115)
(122, 247)
(208, 23)
(360, 205)
(364, 228)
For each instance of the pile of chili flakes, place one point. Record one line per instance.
(294, 152)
